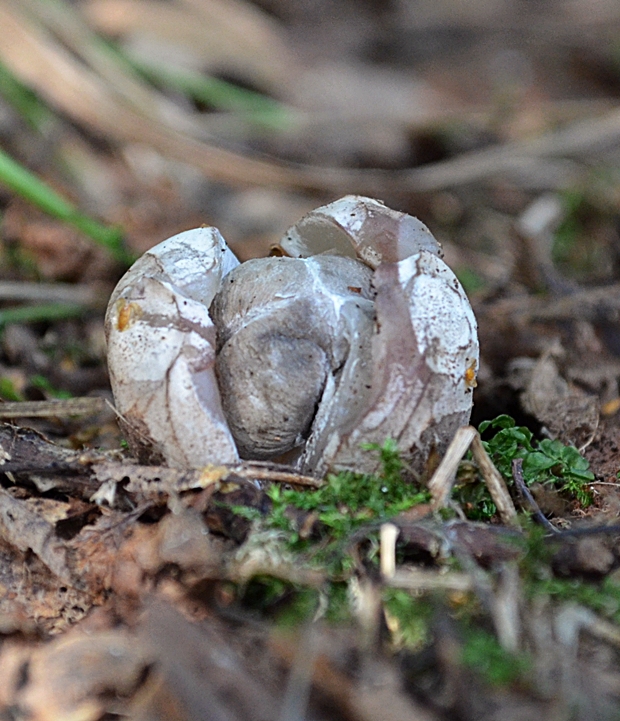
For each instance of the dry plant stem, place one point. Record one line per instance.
(572, 619)
(63, 21)
(589, 440)
(505, 608)
(415, 579)
(596, 305)
(88, 98)
(517, 475)
(604, 630)
(388, 535)
(578, 138)
(255, 472)
(535, 230)
(53, 409)
(589, 304)
(590, 531)
(86, 295)
(442, 481)
(495, 482)
(75, 89)
(241, 572)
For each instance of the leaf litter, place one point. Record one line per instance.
(157, 593)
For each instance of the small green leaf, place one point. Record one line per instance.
(544, 461)
(536, 462)
(502, 421)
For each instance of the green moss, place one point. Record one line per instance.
(344, 517)
(346, 503)
(482, 653)
(408, 618)
(335, 529)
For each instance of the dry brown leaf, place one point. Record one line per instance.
(568, 413)
(118, 553)
(31, 594)
(232, 36)
(48, 509)
(79, 92)
(25, 529)
(76, 678)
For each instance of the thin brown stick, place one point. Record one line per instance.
(88, 295)
(517, 475)
(83, 406)
(495, 482)
(416, 579)
(442, 481)
(249, 471)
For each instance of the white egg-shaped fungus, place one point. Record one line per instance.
(358, 334)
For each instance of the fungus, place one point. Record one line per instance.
(359, 332)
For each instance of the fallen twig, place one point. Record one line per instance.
(86, 405)
(494, 481)
(517, 475)
(92, 296)
(270, 472)
(416, 579)
(442, 481)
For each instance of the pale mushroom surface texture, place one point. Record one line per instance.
(359, 333)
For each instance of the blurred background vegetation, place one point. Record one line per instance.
(496, 122)
(153, 116)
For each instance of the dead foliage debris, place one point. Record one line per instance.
(144, 591)
(90, 539)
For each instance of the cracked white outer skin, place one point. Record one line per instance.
(424, 343)
(424, 349)
(359, 227)
(411, 382)
(161, 351)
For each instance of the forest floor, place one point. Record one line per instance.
(153, 593)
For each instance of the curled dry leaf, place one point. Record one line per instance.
(359, 334)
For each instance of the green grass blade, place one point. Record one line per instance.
(253, 107)
(42, 312)
(28, 186)
(24, 101)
